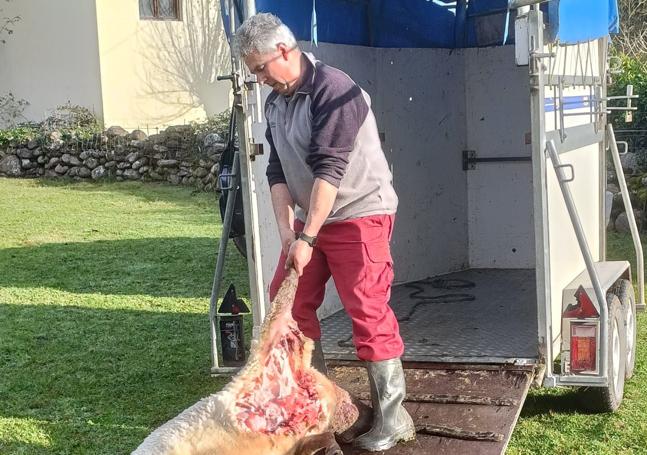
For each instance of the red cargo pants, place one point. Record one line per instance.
(356, 253)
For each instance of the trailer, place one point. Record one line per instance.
(493, 117)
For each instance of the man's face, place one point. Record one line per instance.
(275, 69)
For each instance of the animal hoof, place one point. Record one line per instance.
(329, 451)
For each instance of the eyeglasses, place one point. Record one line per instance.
(261, 67)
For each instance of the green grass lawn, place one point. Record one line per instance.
(104, 291)
(104, 334)
(551, 420)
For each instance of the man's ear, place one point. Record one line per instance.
(284, 50)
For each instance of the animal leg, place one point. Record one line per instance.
(361, 425)
(319, 444)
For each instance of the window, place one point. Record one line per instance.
(160, 9)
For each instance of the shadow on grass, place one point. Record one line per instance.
(560, 401)
(98, 381)
(173, 267)
(13, 447)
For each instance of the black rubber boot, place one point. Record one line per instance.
(318, 362)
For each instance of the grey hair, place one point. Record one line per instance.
(260, 34)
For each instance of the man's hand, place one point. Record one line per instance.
(299, 256)
(288, 237)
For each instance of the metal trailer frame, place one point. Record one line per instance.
(551, 145)
(545, 145)
(241, 170)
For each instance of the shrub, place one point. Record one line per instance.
(219, 124)
(73, 122)
(11, 110)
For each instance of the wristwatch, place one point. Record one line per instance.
(312, 241)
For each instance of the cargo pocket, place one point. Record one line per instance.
(379, 269)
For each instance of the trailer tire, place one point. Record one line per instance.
(608, 399)
(627, 296)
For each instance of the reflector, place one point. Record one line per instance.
(583, 347)
(584, 307)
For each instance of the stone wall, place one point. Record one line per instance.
(177, 155)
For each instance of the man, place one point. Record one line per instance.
(334, 204)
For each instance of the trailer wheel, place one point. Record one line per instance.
(627, 296)
(608, 399)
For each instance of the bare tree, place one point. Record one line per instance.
(6, 24)
(187, 59)
(632, 40)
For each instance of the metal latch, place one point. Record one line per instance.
(470, 159)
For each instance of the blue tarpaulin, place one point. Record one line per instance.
(434, 23)
(573, 21)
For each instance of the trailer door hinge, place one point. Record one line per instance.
(468, 160)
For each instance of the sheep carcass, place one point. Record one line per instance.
(276, 405)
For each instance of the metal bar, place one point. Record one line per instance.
(624, 97)
(591, 94)
(560, 89)
(469, 159)
(552, 61)
(630, 94)
(548, 55)
(538, 133)
(574, 81)
(250, 206)
(469, 163)
(553, 90)
(586, 254)
(232, 28)
(220, 265)
(578, 61)
(226, 226)
(579, 380)
(490, 160)
(248, 187)
(601, 93)
(631, 132)
(630, 216)
(587, 61)
(576, 114)
(590, 100)
(560, 79)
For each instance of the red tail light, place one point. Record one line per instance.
(584, 307)
(583, 347)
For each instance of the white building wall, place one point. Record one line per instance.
(52, 57)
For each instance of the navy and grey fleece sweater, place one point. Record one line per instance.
(327, 129)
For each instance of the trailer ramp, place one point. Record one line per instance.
(457, 408)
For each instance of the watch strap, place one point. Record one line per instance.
(312, 241)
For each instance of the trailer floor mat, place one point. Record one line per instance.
(471, 316)
(457, 409)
